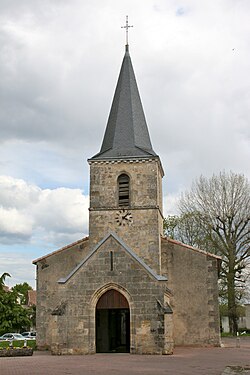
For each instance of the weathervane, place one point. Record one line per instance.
(126, 27)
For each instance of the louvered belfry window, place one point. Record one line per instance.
(123, 190)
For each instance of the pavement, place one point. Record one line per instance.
(233, 358)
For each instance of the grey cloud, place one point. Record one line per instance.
(194, 90)
(59, 64)
(7, 238)
(29, 213)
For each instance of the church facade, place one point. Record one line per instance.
(125, 287)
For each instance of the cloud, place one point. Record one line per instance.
(181, 11)
(29, 213)
(15, 226)
(17, 194)
(19, 265)
(58, 82)
(59, 64)
(62, 211)
(170, 204)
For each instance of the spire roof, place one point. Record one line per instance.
(126, 132)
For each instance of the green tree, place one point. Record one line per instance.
(220, 208)
(186, 228)
(2, 280)
(13, 317)
(22, 292)
(170, 226)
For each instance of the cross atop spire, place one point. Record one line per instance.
(127, 26)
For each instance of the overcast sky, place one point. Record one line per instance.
(59, 64)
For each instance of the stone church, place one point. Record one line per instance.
(126, 287)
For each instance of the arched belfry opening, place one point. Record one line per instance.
(123, 190)
(112, 323)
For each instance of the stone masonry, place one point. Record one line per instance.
(192, 278)
(144, 236)
(67, 311)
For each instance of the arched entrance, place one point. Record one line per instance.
(112, 323)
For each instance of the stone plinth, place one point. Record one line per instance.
(16, 352)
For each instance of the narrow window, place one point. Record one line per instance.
(123, 190)
(111, 261)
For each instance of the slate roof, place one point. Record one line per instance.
(126, 132)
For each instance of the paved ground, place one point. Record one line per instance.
(235, 370)
(185, 361)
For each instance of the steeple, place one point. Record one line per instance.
(126, 133)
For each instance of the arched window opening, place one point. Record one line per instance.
(123, 190)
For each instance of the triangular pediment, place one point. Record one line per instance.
(129, 252)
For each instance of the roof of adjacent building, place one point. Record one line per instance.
(126, 132)
(31, 297)
(61, 249)
(175, 242)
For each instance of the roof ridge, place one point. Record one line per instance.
(190, 247)
(61, 249)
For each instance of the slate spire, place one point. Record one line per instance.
(126, 132)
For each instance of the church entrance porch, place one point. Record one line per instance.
(112, 323)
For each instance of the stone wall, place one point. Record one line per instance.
(49, 270)
(247, 316)
(193, 280)
(67, 311)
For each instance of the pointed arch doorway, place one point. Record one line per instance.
(112, 323)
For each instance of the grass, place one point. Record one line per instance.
(18, 344)
(227, 334)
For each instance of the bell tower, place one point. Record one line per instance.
(126, 176)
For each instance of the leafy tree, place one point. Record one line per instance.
(186, 228)
(2, 280)
(220, 208)
(13, 317)
(22, 292)
(170, 226)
